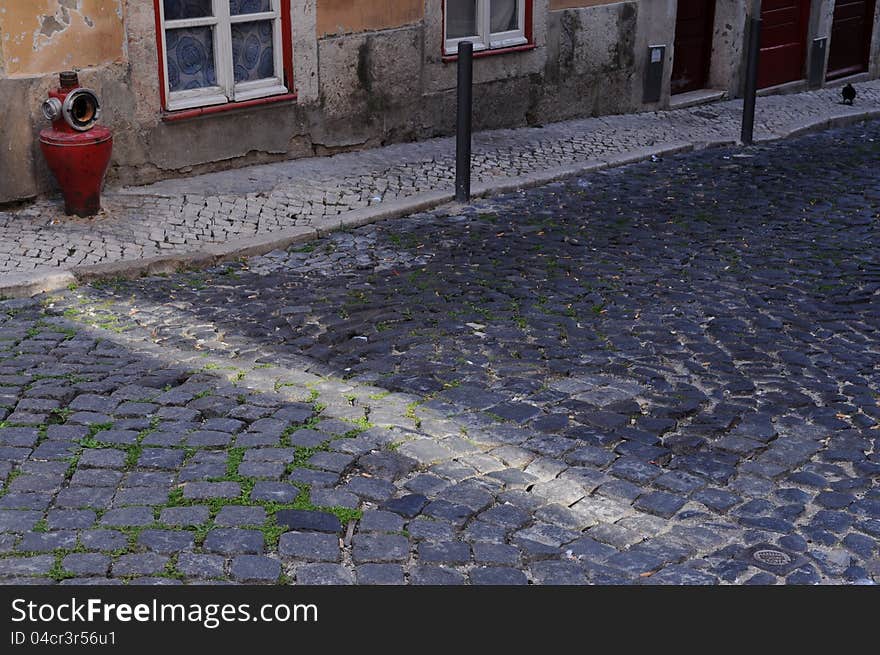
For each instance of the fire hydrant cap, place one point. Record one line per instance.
(68, 79)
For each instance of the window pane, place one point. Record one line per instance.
(190, 58)
(253, 51)
(238, 7)
(504, 15)
(177, 9)
(461, 18)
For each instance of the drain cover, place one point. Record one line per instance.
(771, 558)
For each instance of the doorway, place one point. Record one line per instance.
(783, 41)
(694, 25)
(850, 37)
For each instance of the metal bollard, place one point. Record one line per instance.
(463, 123)
(751, 89)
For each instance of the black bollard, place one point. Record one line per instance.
(751, 90)
(463, 122)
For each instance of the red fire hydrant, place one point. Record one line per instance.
(75, 147)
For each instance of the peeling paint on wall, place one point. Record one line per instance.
(351, 16)
(45, 36)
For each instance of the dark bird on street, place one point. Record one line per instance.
(849, 94)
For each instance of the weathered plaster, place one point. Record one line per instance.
(577, 4)
(337, 17)
(591, 64)
(306, 75)
(728, 46)
(45, 36)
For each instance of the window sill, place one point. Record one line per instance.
(185, 114)
(448, 59)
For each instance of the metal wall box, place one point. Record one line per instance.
(654, 73)
(817, 62)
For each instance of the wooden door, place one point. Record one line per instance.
(783, 41)
(694, 25)
(850, 37)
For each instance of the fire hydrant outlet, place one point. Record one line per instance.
(81, 109)
(52, 109)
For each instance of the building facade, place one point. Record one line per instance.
(190, 86)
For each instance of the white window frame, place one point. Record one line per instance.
(226, 90)
(486, 39)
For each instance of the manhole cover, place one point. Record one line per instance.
(772, 557)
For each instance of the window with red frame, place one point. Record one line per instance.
(215, 52)
(488, 24)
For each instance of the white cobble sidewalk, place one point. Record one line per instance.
(304, 197)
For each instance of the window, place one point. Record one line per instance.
(488, 24)
(221, 51)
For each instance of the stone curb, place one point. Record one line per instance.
(21, 285)
(395, 209)
(506, 185)
(24, 285)
(206, 256)
(808, 125)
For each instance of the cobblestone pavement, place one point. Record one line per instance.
(660, 374)
(183, 215)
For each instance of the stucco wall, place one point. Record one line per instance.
(592, 65)
(42, 36)
(349, 16)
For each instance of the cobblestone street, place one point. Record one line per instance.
(663, 373)
(185, 216)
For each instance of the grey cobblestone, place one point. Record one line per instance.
(658, 415)
(309, 520)
(324, 574)
(86, 563)
(310, 546)
(18, 520)
(166, 541)
(228, 541)
(380, 548)
(435, 575)
(497, 575)
(208, 490)
(128, 517)
(450, 552)
(255, 568)
(139, 564)
(184, 516)
(41, 542)
(236, 515)
(34, 565)
(380, 574)
(201, 566)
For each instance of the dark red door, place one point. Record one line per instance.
(850, 37)
(694, 24)
(783, 41)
